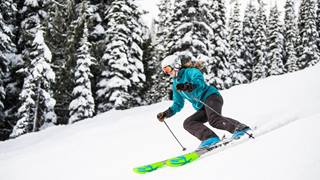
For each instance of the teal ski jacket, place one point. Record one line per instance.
(201, 89)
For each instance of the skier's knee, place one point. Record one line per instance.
(186, 124)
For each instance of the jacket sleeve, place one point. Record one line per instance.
(178, 101)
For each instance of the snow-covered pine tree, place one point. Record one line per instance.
(260, 37)
(318, 21)
(3, 70)
(236, 47)
(248, 32)
(71, 32)
(290, 37)
(7, 46)
(37, 105)
(7, 49)
(56, 28)
(123, 75)
(8, 63)
(190, 33)
(97, 24)
(139, 33)
(4, 40)
(218, 66)
(308, 51)
(275, 43)
(156, 81)
(82, 106)
(55, 35)
(162, 24)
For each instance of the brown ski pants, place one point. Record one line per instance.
(195, 123)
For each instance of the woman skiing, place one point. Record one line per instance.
(189, 83)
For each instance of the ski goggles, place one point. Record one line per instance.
(167, 69)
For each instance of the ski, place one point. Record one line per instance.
(187, 158)
(196, 154)
(172, 162)
(149, 168)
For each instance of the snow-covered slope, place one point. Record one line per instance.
(284, 108)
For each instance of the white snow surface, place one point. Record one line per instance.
(285, 110)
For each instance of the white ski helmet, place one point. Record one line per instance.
(172, 61)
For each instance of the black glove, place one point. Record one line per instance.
(166, 114)
(185, 87)
(161, 116)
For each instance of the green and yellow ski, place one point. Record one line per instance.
(172, 162)
(186, 158)
(149, 168)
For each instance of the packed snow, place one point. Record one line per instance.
(285, 110)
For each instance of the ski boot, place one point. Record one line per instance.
(237, 134)
(209, 142)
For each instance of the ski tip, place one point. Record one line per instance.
(143, 170)
(138, 171)
(148, 168)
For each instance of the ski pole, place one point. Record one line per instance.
(183, 148)
(203, 103)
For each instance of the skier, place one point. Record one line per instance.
(188, 83)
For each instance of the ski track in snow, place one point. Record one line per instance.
(257, 132)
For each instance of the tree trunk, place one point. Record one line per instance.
(35, 121)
